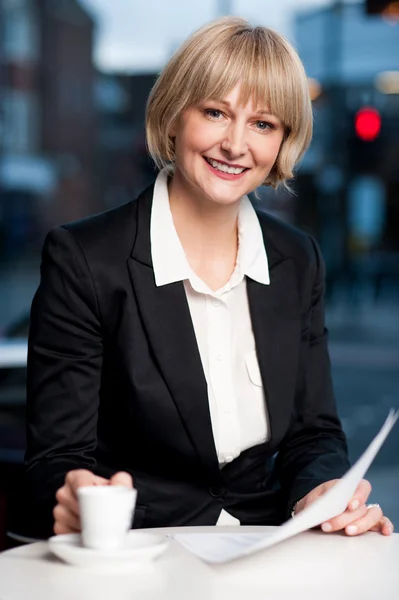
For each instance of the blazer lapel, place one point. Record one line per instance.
(275, 315)
(167, 321)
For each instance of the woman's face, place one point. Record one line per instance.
(223, 150)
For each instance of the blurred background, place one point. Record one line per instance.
(74, 78)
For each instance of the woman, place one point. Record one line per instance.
(179, 339)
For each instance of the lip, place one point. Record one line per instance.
(223, 162)
(225, 176)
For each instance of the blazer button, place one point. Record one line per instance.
(217, 492)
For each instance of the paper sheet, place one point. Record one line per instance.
(224, 547)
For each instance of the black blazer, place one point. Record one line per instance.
(115, 380)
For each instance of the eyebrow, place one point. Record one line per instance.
(258, 112)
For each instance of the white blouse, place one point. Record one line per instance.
(222, 325)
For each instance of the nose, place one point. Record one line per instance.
(234, 143)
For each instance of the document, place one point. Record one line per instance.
(224, 547)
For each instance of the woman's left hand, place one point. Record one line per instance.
(357, 518)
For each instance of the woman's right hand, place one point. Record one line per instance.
(66, 512)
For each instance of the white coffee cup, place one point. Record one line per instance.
(106, 515)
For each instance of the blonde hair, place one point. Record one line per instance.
(210, 63)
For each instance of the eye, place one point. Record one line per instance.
(213, 113)
(264, 125)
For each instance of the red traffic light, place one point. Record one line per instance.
(367, 124)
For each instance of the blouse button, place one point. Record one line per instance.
(217, 492)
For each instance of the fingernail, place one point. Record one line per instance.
(326, 527)
(351, 529)
(355, 504)
(389, 529)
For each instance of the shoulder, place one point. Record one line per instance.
(107, 234)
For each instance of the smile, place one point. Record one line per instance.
(223, 170)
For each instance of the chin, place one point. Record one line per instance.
(224, 194)
(224, 199)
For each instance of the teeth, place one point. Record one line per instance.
(221, 167)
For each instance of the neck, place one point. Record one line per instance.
(205, 228)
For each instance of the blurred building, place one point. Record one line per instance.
(47, 117)
(349, 183)
(123, 167)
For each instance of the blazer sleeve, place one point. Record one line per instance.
(314, 450)
(63, 376)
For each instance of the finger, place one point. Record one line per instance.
(122, 478)
(81, 478)
(66, 497)
(372, 518)
(344, 519)
(59, 529)
(361, 495)
(63, 517)
(385, 526)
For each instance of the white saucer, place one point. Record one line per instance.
(139, 547)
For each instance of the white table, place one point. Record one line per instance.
(309, 566)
